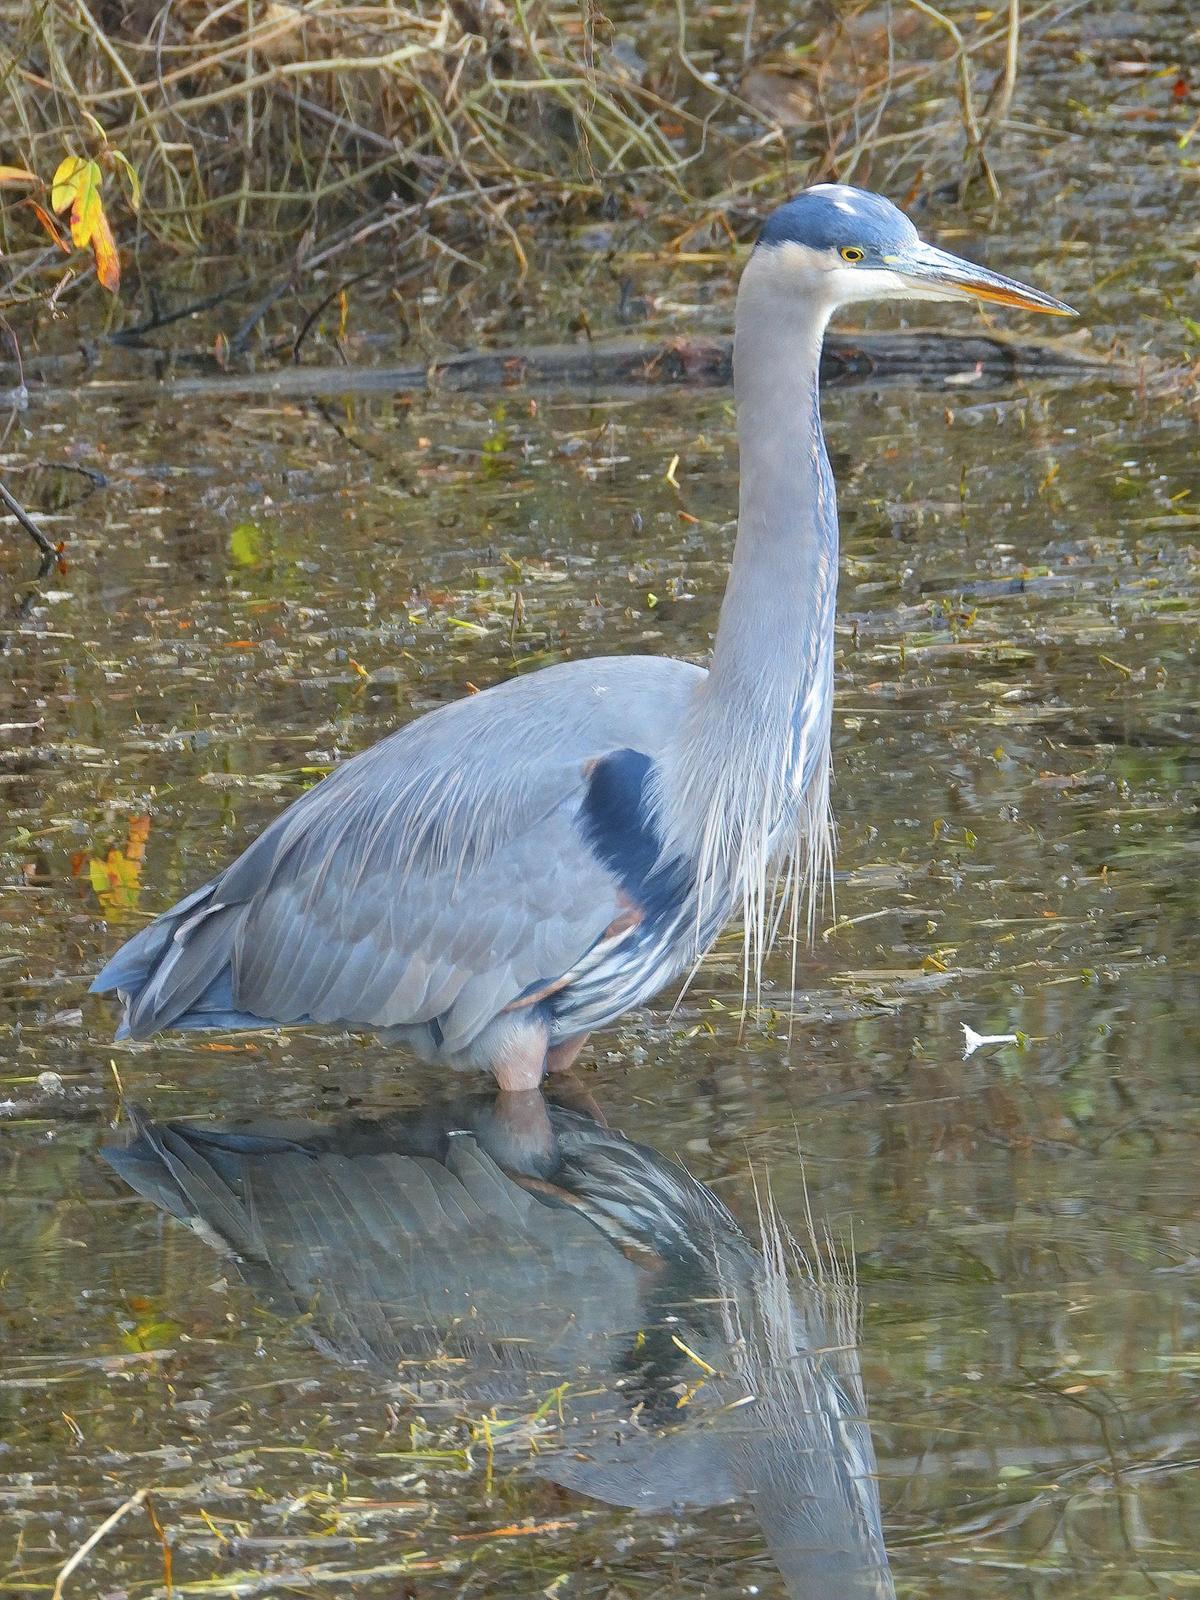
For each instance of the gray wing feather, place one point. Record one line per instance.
(442, 873)
(194, 958)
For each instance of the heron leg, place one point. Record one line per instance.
(561, 1056)
(520, 1060)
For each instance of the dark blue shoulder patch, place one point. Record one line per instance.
(616, 818)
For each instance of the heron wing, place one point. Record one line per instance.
(351, 923)
(441, 875)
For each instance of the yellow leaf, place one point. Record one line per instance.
(155, 1333)
(247, 544)
(86, 209)
(76, 184)
(16, 175)
(122, 872)
(116, 880)
(98, 873)
(104, 248)
(63, 183)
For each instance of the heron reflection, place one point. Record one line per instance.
(551, 1258)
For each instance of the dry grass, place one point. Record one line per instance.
(287, 118)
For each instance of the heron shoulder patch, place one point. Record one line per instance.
(616, 816)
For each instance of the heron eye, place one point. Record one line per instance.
(851, 252)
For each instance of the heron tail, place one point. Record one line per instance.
(177, 973)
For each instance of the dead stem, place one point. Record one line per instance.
(243, 119)
(93, 1539)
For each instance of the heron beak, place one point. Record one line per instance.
(930, 271)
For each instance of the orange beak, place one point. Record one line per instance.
(940, 275)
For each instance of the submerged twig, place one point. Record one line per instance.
(93, 1539)
(47, 547)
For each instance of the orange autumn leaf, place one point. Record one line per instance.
(51, 227)
(136, 836)
(512, 1530)
(104, 248)
(10, 175)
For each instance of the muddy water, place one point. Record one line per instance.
(264, 588)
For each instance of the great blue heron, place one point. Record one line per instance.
(506, 873)
(486, 1255)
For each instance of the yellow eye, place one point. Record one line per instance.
(851, 252)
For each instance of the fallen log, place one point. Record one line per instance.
(922, 358)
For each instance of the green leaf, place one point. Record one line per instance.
(155, 1333)
(132, 182)
(97, 128)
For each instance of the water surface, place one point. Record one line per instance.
(264, 588)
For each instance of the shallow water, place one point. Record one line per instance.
(264, 588)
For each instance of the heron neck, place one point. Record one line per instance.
(778, 608)
(745, 781)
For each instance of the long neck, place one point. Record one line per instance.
(746, 781)
(778, 607)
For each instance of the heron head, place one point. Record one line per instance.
(845, 244)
